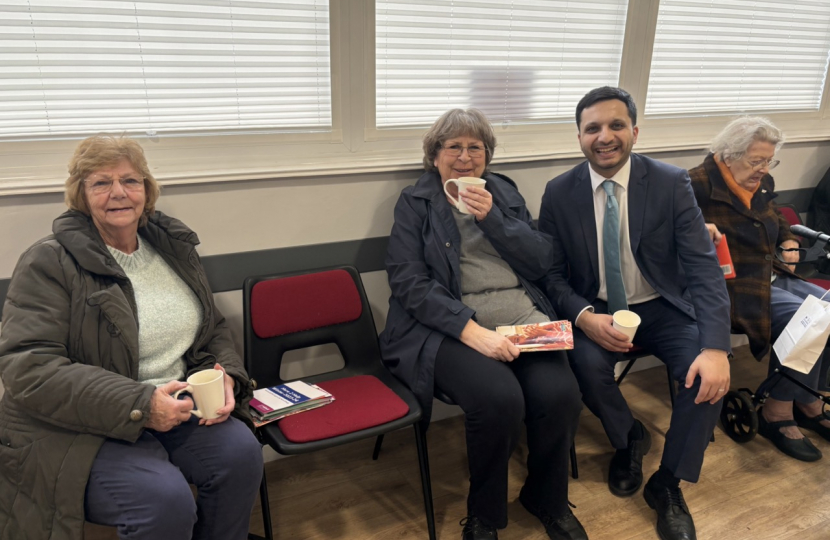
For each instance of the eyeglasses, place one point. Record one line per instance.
(455, 150)
(100, 186)
(759, 164)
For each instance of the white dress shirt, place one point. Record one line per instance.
(637, 289)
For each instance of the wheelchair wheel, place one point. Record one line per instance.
(739, 417)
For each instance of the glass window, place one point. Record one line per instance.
(71, 68)
(523, 61)
(725, 57)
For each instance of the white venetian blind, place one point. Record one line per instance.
(518, 61)
(716, 56)
(69, 68)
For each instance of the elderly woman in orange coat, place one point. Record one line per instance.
(736, 194)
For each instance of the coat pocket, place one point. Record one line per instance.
(110, 331)
(11, 465)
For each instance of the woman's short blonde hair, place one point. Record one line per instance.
(458, 123)
(101, 151)
(739, 134)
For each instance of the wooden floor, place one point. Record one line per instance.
(748, 491)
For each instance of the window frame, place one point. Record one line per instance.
(355, 145)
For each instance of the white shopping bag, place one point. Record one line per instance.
(803, 340)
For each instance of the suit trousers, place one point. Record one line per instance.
(537, 387)
(672, 337)
(787, 295)
(142, 487)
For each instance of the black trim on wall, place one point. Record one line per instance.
(227, 272)
(800, 198)
(4, 288)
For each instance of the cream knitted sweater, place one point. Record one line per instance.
(169, 313)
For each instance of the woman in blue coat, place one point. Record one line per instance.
(455, 277)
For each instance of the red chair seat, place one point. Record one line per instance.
(823, 283)
(360, 402)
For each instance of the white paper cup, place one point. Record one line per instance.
(462, 184)
(208, 390)
(626, 322)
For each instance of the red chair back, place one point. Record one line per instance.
(790, 214)
(285, 305)
(303, 309)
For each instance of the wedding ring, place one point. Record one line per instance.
(720, 389)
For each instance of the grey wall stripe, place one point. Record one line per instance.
(227, 272)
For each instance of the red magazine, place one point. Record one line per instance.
(725, 259)
(547, 336)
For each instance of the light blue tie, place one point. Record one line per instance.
(611, 250)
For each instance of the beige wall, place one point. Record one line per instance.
(264, 214)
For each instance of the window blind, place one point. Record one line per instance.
(69, 68)
(518, 61)
(715, 56)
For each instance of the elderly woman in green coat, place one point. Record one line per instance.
(103, 321)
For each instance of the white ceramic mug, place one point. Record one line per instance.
(626, 322)
(462, 184)
(208, 390)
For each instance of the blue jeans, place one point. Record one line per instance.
(788, 293)
(142, 487)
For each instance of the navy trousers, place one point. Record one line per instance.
(142, 488)
(673, 338)
(537, 387)
(788, 293)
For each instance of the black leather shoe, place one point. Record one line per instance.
(674, 521)
(801, 449)
(475, 529)
(625, 476)
(812, 423)
(565, 527)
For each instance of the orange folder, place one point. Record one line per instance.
(725, 259)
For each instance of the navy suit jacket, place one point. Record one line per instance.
(669, 241)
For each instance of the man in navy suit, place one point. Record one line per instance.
(628, 235)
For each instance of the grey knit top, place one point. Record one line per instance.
(169, 314)
(488, 284)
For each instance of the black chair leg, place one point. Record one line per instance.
(625, 371)
(378, 444)
(426, 483)
(266, 510)
(574, 470)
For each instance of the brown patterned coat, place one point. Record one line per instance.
(753, 234)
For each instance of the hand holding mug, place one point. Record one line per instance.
(460, 202)
(225, 411)
(167, 412)
(212, 392)
(478, 200)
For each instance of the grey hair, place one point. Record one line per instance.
(739, 134)
(458, 123)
